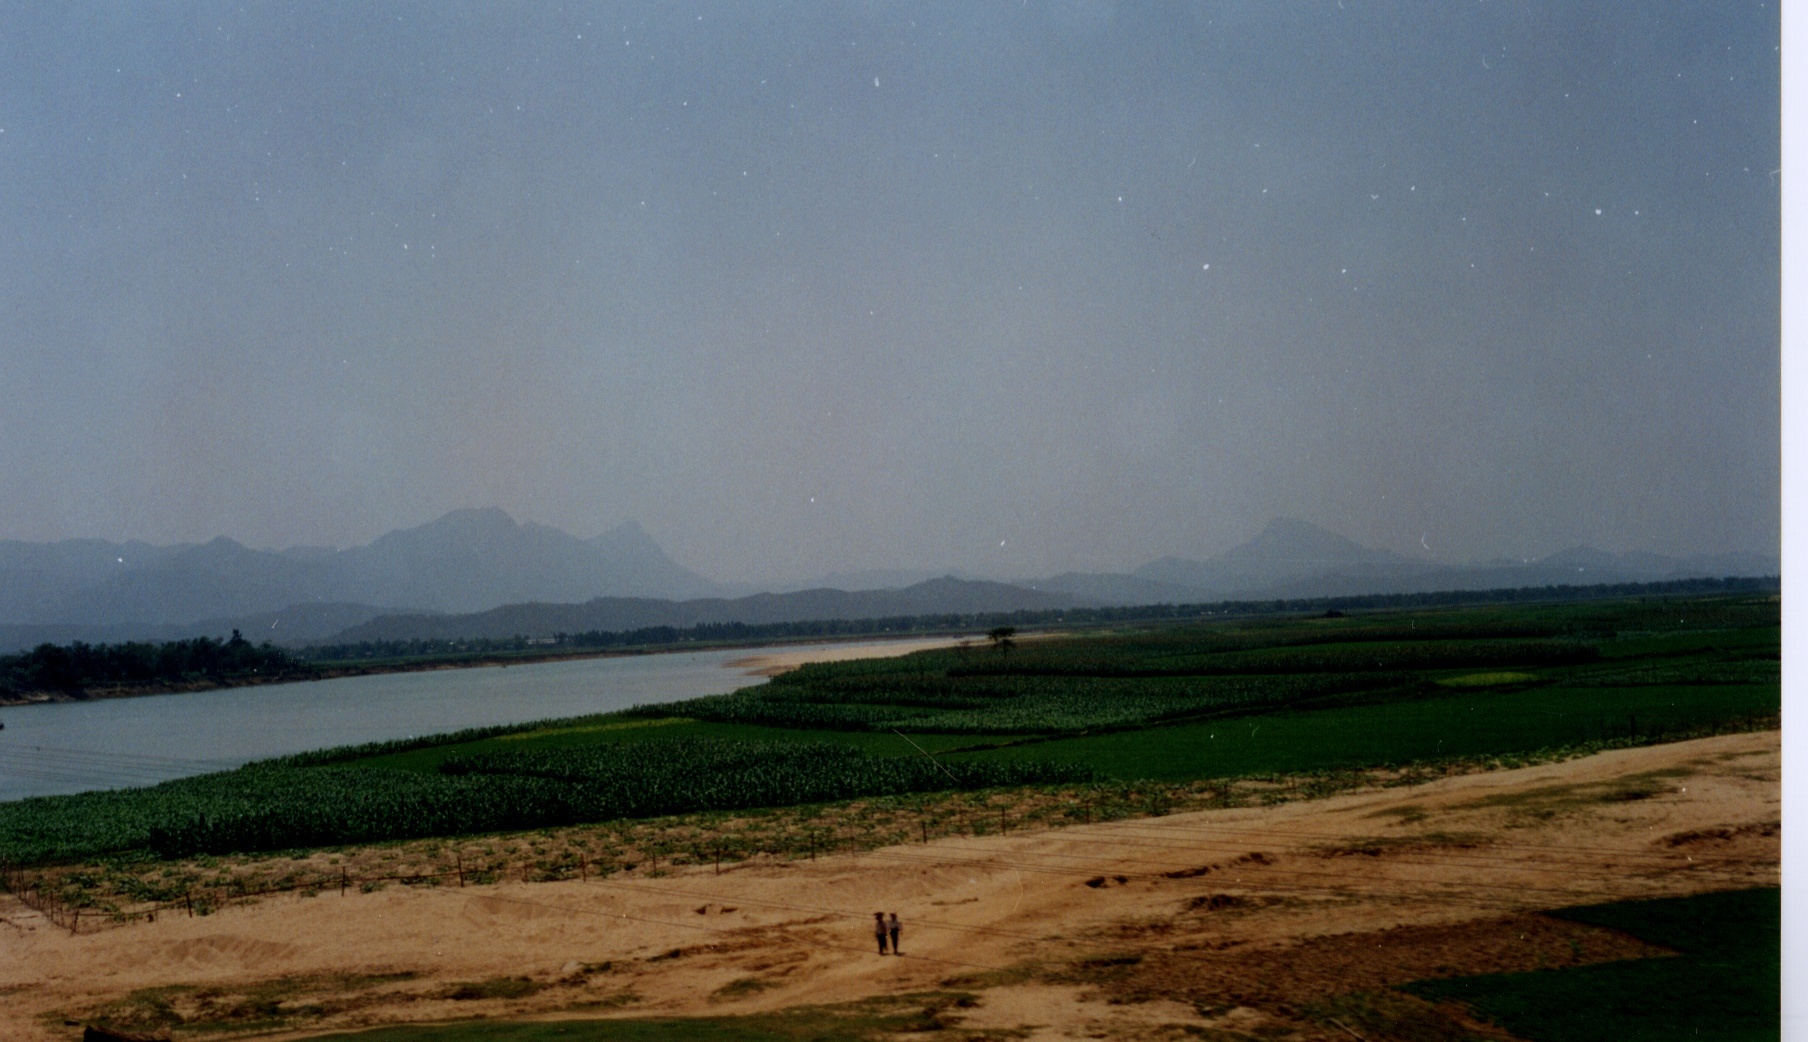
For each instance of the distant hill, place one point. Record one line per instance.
(37, 576)
(867, 579)
(468, 560)
(613, 614)
(1292, 559)
(1286, 551)
(1115, 590)
(532, 579)
(295, 625)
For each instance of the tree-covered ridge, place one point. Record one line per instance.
(713, 633)
(80, 668)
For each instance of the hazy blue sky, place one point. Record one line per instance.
(1010, 287)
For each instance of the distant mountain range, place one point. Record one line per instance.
(1297, 559)
(468, 560)
(475, 573)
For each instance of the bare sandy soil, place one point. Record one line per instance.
(774, 663)
(1238, 923)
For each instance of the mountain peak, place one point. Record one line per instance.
(474, 518)
(1286, 550)
(1290, 540)
(628, 537)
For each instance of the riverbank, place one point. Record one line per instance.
(784, 662)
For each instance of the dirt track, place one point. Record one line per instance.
(1238, 919)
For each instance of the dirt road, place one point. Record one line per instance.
(1237, 919)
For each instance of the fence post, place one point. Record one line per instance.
(343, 880)
(188, 901)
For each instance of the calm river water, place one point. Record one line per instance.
(111, 743)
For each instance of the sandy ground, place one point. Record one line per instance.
(774, 663)
(1228, 922)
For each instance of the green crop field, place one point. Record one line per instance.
(1179, 702)
(1729, 947)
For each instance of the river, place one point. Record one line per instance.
(63, 747)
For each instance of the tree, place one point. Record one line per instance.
(1001, 637)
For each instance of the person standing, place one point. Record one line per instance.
(879, 931)
(893, 927)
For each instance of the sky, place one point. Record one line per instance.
(1010, 288)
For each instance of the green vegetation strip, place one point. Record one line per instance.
(882, 1018)
(261, 807)
(1221, 700)
(1724, 984)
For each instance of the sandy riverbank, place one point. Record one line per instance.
(1232, 918)
(773, 663)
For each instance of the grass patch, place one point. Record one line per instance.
(1391, 1015)
(866, 1021)
(1723, 984)
(274, 1004)
(494, 988)
(1487, 679)
(740, 988)
(613, 729)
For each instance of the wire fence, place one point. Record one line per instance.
(66, 897)
(1135, 845)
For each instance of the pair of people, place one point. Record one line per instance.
(882, 930)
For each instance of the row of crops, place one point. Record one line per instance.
(1076, 684)
(993, 705)
(1206, 671)
(279, 807)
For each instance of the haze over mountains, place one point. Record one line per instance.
(480, 573)
(466, 561)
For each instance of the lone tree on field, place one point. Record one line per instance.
(1001, 637)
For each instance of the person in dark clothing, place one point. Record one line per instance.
(893, 927)
(879, 930)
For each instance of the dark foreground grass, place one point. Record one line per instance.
(864, 1021)
(1724, 984)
